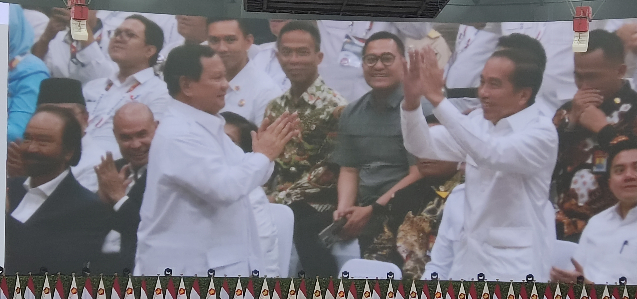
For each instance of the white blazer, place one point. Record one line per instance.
(196, 213)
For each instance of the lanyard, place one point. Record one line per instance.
(459, 50)
(97, 32)
(99, 101)
(369, 28)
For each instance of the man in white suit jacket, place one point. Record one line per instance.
(196, 213)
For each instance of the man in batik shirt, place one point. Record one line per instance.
(603, 107)
(303, 173)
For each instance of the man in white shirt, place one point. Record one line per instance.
(196, 213)
(122, 182)
(250, 89)
(606, 250)
(510, 150)
(134, 47)
(266, 59)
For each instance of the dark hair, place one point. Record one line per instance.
(153, 35)
(386, 35)
(302, 26)
(610, 43)
(184, 61)
(244, 126)
(243, 24)
(619, 144)
(72, 131)
(527, 72)
(520, 41)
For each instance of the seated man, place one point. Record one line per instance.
(134, 47)
(52, 221)
(122, 182)
(606, 250)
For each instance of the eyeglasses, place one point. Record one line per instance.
(386, 59)
(124, 34)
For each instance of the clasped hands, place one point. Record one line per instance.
(585, 111)
(271, 139)
(422, 77)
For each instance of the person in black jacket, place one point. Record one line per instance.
(52, 221)
(122, 182)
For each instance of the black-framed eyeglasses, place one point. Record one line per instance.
(386, 59)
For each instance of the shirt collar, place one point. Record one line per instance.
(309, 95)
(135, 175)
(212, 123)
(48, 187)
(394, 99)
(631, 216)
(518, 121)
(141, 77)
(241, 78)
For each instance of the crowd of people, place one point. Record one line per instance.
(162, 141)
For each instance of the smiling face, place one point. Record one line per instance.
(43, 152)
(134, 129)
(298, 56)
(208, 93)
(499, 97)
(227, 39)
(623, 177)
(380, 76)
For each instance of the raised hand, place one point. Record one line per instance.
(112, 183)
(272, 138)
(432, 77)
(15, 168)
(412, 81)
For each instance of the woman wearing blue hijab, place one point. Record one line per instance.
(25, 74)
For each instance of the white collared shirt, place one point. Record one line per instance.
(473, 49)
(35, 197)
(196, 212)
(103, 101)
(509, 168)
(607, 249)
(250, 92)
(84, 171)
(266, 61)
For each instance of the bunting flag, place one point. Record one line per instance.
(615, 294)
(571, 292)
(511, 293)
(523, 294)
(158, 293)
(485, 291)
(265, 291)
(625, 295)
(400, 293)
(292, 290)
(17, 291)
(376, 292)
(277, 290)
(461, 293)
(46, 289)
(605, 294)
(170, 289)
(558, 292)
(413, 294)
(4, 288)
(340, 294)
(195, 292)
(367, 292)
(87, 292)
(425, 291)
(212, 291)
(101, 290)
(225, 290)
(73, 292)
(238, 291)
(329, 293)
(593, 294)
(29, 292)
(59, 289)
(584, 294)
(547, 292)
(116, 293)
(302, 293)
(249, 293)
(473, 293)
(534, 294)
(438, 294)
(142, 289)
(352, 291)
(181, 292)
(497, 294)
(450, 292)
(129, 293)
(390, 291)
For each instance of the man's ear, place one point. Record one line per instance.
(184, 85)
(150, 51)
(250, 39)
(525, 95)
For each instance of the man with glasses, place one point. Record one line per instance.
(134, 46)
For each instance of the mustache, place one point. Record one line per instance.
(34, 156)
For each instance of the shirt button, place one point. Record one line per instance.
(293, 169)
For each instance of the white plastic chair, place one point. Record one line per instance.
(342, 252)
(562, 253)
(284, 221)
(360, 268)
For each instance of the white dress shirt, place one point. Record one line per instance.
(509, 168)
(84, 171)
(349, 80)
(249, 93)
(196, 213)
(266, 61)
(607, 249)
(449, 232)
(268, 238)
(35, 197)
(104, 96)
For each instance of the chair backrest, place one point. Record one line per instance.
(360, 268)
(562, 253)
(284, 221)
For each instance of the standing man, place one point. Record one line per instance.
(122, 182)
(198, 178)
(510, 150)
(266, 59)
(134, 47)
(603, 107)
(250, 89)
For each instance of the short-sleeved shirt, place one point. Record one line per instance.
(371, 141)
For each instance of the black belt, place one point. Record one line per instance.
(455, 93)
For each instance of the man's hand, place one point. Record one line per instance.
(412, 81)
(272, 138)
(112, 184)
(565, 276)
(357, 218)
(432, 77)
(15, 168)
(59, 20)
(628, 34)
(581, 100)
(593, 119)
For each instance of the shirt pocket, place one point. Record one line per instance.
(509, 249)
